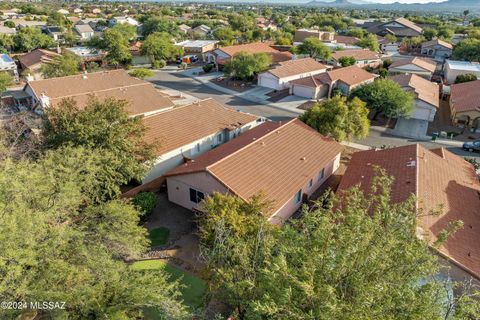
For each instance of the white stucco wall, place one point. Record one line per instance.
(266, 79)
(423, 111)
(450, 75)
(410, 68)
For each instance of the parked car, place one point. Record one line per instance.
(187, 59)
(472, 146)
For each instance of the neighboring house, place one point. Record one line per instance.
(278, 78)
(138, 59)
(221, 56)
(184, 28)
(437, 49)
(457, 37)
(321, 85)
(465, 104)
(363, 58)
(198, 48)
(141, 96)
(185, 132)
(400, 28)
(439, 180)
(63, 11)
(202, 30)
(9, 66)
(387, 46)
(33, 61)
(96, 11)
(22, 23)
(87, 54)
(123, 20)
(453, 68)
(54, 32)
(84, 31)
(7, 31)
(345, 40)
(302, 34)
(77, 10)
(424, 67)
(286, 163)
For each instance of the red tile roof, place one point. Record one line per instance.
(424, 63)
(37, 56)
(360, 54)
(425, 90)
(257, 47)
(295, 67)
(465, 96)
(436, 177)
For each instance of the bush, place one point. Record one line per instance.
(387, 63)
(207, 68)
(145, 203)
(465, 78)
(159, 64)
(383, 72)
(141, 73)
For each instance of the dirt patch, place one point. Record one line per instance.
(276, 96)
(306, 105)
(235, 85)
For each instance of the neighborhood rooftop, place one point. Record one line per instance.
(294, 67)
(465, 96)
(463, 65)
(424, 63)
(425, 90)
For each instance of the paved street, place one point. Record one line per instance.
(177, 81)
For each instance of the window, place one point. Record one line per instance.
(198, 147)
(196, 196)
(321, 175)
(220, 138)
(310, 184)
(298, 196)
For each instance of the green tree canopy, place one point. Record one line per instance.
(225, 35)
(387, 97)
(315, 48)
(103, 127)
(468, 49)
(465, 78)
(349, 257)
(356, 32)
(430, 33)
(142, 73)
(339, 118)
(29, 38)
(62, 66)
(369, 42)
(159, 24)
(6, 80)
(245, 65)
(9, 24)
(159, 46)
(347, 61)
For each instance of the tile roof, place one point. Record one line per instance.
(361, 54)
(277, 164)
(424, 90)
(141, 95)
(437, 42)
(36, 56)
(257, 47)
(346, 39)
(295, 67)
(409, 24)
(351, 75)
(463, 65)
(465, 96)
(83, 28)
(436, 177)
(424, 63)
(180, 126)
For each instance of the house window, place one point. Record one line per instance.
(196, 196)
(198, 147)
(219, 138)
(310, 184)
(321, 175)
(298, 196)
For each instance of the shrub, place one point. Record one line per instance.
(387, 63)
(145, 203)
(465, 78)
(141, 73)
(383, 72)
(207, 68)
(159, 64)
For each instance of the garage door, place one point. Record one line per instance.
(268, 82)
(304, 92)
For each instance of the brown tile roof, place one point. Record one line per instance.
(351, 75)
(294, 67)
(179, 126)
(36, 56)
(312, 81)
(465, 96)
(435, 177)
(424, 90)
(346, 39)
(258, 47)
(277, 164)
(361, 54)
(141, 95)
(409, 24)
(201, 162)
(424, 63)
(437, 42)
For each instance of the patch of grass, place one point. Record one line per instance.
(194, 288)
(159, 236)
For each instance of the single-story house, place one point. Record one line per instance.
(9, 66)
(184, 28)
(302, 34)
(22, 23)
(34, 60)
(139, 59)
(284, 162)
(321, 85)
(84, 31)
(278, 78)
(185, 132)
(399, 27)
(221, 56)
(424, 67)
(142, 97)
(123, 20)
(427, 95)
(87, 54)
(465, 104)
(363, 57)
(202, 30)
(63, 11)
(436, 178)
(56, 33)
(345, 40)
(454, 68)
(197, 47)
(437, 49)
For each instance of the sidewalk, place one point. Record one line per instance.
(254, 95)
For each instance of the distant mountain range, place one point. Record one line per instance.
(450, 5)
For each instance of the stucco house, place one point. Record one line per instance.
(454, 68)
(278, 78)
(285, 162)
(202, 30)
(465, 104)
(9, 66)
(185, 132)
(437, 49)
(436, 178)
(84, 31)
(123, 20)
(321, 85)
(198, 48)
(33, 61)
(399, 27)
(302, 34)
(363, 58)
(423, 67)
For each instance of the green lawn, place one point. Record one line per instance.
(193, 291)
(158, 236)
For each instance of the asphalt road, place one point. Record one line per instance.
(177, 81)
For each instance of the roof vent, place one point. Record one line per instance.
(263, 143)
(84, 77)
(411, 163)
(303, 158)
